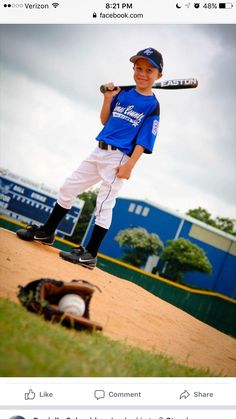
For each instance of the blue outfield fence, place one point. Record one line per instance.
(210, 307)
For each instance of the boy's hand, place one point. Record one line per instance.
(124, 171)
(112, 93)
(107, 100)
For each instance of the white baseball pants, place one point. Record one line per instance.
(99, 166)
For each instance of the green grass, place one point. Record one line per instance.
(32, 347)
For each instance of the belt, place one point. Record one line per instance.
(105, 146)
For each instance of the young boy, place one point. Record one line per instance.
(130, 118)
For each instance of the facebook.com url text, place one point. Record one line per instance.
(121, 15)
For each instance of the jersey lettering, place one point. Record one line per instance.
(128, 114)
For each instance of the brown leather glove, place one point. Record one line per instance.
(42, 297)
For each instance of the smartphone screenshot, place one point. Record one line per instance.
(117, 209)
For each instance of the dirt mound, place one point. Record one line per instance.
(127, 312)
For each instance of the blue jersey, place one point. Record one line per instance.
(134, 120)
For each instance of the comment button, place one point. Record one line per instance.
(99, 394)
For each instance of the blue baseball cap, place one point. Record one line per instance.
(152, 55)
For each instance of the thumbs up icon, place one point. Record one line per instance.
(30, 395)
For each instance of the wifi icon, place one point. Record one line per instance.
(55, 5)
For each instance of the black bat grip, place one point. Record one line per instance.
(104, 89)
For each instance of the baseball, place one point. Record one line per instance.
(72, 304)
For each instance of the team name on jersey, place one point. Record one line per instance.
(128, 113)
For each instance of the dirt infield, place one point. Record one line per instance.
(127, 312)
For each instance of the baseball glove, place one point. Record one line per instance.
(42, 297)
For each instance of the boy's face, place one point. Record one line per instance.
(145, 74)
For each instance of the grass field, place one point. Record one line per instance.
(32, 347)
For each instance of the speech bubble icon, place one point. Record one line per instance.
(99, 394)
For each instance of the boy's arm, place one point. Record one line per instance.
(106, 107)
(124, 171)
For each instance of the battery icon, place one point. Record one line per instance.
(225, 5)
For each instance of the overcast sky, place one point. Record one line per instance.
(50, 104)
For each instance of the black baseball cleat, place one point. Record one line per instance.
(35, 233)
(81, 256)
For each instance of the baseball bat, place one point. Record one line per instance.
(167, 85)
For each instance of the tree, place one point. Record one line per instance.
(183, 256)
(90, 202)
(138, 244)
(228, 225)
(201, 214)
